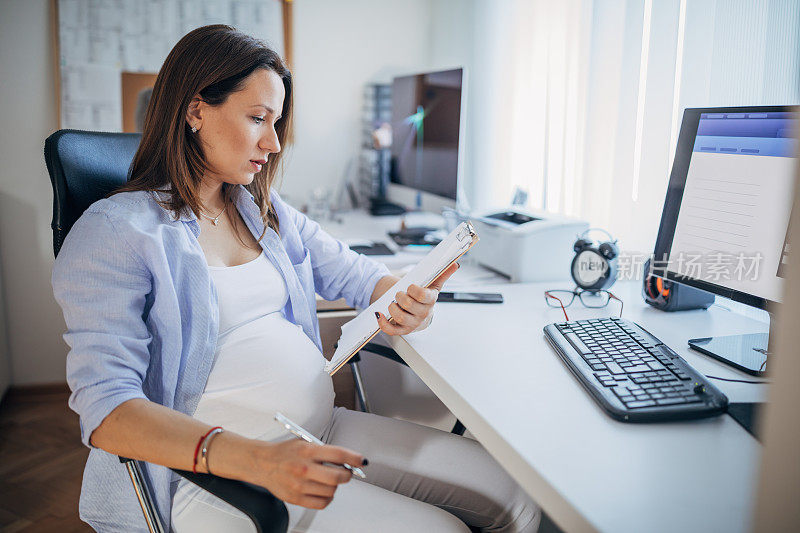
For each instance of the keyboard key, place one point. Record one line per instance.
(614, 368)
(670, 401)
(577, 344)
(639, 404)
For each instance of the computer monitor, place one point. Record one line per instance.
(427, 139)
(726, 215)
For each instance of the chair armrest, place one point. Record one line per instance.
(389, 353)
(267, 512)
(383, 351)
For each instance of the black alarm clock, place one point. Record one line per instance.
(594, 266)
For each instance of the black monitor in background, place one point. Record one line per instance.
(726, 215)
(426, 133)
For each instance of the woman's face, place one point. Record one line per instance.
(238, 136)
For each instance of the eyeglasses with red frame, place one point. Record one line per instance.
(591, 299)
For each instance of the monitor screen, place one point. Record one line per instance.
(426, 117)
(726, 217)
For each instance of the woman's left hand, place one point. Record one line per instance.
(413, 308)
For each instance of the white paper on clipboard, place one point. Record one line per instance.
(360, 330)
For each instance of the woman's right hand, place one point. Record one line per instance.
(293, 471)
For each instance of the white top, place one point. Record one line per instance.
(263, 362)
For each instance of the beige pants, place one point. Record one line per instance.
(418, 479)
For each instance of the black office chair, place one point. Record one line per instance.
(84, 166)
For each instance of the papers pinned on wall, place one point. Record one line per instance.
(99, 39)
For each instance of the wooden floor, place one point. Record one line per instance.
(41, 461)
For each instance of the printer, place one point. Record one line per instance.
(525, 244)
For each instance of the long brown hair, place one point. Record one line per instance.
(212, 61)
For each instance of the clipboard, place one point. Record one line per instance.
(360, 330)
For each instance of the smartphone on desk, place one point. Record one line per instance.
(471, 297)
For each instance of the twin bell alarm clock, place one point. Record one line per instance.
(594, 266)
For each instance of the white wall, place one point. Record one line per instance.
(27, 107)
(338, 48)
(451, 45)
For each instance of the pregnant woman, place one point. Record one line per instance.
(189, 299)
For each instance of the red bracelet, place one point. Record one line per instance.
(197, 448)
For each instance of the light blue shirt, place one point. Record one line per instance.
(142, 320)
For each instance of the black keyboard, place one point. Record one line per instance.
(632, 375)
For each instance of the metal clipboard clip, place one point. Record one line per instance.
(467, 231)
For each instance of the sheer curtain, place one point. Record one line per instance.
(589, 95)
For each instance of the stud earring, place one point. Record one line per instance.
(194, 130)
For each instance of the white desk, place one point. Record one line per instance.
(504, 382)
(492, 367)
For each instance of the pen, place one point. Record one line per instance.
(301, 433)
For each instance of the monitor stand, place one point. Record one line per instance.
(747, 352)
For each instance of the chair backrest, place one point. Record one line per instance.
(84, 166)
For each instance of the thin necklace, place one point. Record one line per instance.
(215, 219)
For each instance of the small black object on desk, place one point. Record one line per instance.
(414, 236)
(379, 207)
(376, 248)
(471, 297)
